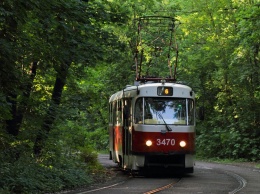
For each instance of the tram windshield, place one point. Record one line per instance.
(178, 111)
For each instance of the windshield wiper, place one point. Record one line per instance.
(166, 125)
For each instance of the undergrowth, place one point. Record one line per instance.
(48, 175)
(228, 161)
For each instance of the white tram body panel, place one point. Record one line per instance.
(153, 125)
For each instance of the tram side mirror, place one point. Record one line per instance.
(201, 113)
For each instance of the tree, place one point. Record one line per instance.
(217, 63)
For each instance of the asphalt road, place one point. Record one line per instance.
(207, 178)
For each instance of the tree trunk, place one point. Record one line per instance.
(11, 124)
(51, 114)
(18, 110)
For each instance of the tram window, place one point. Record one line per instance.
(114, 112)
(127, 112)
(119, 112)
(139, 111)
(165, 110)
(191, 112)
(110, 113)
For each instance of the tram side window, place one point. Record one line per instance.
(139, 111)
(191, 112)
(110, 113)
(127, 112)
(119, 112)
(114, 112)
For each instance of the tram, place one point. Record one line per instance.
(152, 123)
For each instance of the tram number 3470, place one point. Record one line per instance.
(165, 142)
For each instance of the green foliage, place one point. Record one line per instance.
(56, 169)
(218, 56)
(71, 34)
(98, 139)
(88, 155)
(220, 60)
(28, 175)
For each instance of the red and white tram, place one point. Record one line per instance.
(153, 125)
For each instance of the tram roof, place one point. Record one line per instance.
(131, 90)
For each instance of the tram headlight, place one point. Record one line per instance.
(148, 143)
(183, 144)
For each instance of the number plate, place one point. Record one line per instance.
(165, 142)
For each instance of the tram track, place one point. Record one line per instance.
(162, 188)
(102, 188)
(106, 188)
(242, 182)
(239, 179)
(208, 177)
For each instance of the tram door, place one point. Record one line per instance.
(114, 122)
(127, 125)
(118, 130)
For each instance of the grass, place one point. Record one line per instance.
(242, 162)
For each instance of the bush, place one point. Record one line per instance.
(88, 155)
(27, 175)
(227, 143)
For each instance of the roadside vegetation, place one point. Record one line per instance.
(60, 60)
(239, 162)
